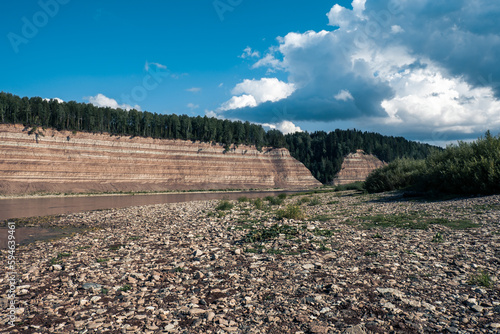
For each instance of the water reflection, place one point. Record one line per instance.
(44, 206)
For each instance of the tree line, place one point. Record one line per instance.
(322, 153)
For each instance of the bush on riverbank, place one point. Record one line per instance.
(466, 168)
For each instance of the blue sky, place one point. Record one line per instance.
(426, 70)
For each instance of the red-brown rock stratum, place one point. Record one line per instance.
(356, 167)
(66, 162)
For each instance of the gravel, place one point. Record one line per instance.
(188, 268)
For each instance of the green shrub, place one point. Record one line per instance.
(243, 199)
(466, 168)
(282, 196)
(269, 233)
(314, 201)
(399, 174)
(303, 200)
(273, 200)
(259, 204)
(438, 237)
(224, 205)
(291, 212)
(360, 186)
(481, 278)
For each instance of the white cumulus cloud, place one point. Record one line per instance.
(286, 127)
(55, 98)
(148, 65)
(413, 68)
(251, 93)
(249, 53)
(343, 95)
(237, 102)
(101, 100)
(265, 89)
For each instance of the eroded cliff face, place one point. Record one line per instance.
(356, 167)
(77, 163)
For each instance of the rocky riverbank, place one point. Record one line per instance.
(318, 263)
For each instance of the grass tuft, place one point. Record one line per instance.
(269, 233)
(224, 205)
(481, 278)
(290, 212)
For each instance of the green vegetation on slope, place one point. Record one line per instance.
(323, 153)
(466, 168)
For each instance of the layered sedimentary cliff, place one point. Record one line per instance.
(82, 162)
(356, 167)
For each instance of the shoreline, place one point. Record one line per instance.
(174, 192)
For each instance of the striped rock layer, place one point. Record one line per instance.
(356, 167)
(81, 162)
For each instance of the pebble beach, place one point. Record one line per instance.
(346, 262)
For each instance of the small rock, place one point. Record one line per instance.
(95, 299)
(301, 318)
(88, 286)
(198, 275)
(358, 329)
(197, 253)
(210, 316)
(152, 327)
(94, 325)
(169, 327)
(477, 308)
(308, 266)
(196, 311)
(390, 291)
(316, 329)
(481, 291)
(471, 301)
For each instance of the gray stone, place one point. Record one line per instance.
(358, 329)
(477, 308)
(390, 291)
(88, 286)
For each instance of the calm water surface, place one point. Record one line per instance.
(34, 207)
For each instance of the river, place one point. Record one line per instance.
(46, 206)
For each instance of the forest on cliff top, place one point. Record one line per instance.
(321, 152)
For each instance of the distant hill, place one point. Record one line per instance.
(322, 153)
(356, 167)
